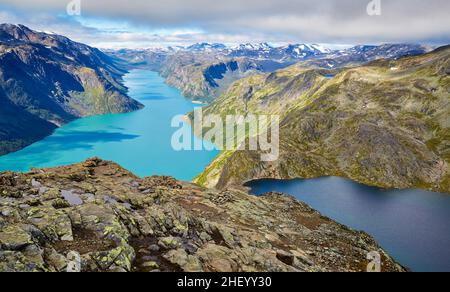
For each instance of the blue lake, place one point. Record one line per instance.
(413, 226)
(139, 141)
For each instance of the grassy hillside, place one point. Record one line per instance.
(384, 124)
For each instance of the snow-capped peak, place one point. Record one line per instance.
(321, 48)
(206, 46)
(253, 47)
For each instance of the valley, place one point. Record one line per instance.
(375, 115)
(205, 71)
(140, 140)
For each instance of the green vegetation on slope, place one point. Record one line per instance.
(384, 124)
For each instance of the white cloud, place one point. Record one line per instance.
(140, 23)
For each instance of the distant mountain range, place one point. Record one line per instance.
(47, 80)
(290, 52)
(189, 68)
(261, 50)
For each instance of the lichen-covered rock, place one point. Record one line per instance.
(14, 237)
(186, 262)
(160, 224)
(55, 260)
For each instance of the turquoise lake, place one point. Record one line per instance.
(413, 226)
(139, 141)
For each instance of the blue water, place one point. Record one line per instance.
(413, 226)
(139, 141)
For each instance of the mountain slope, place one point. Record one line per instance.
(188, 68)
(118, 222)
(385, 124)
(204, 76)
(19, 128)
(48, 79)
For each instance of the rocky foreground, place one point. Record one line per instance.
(119, 222)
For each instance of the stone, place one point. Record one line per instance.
(77, 177)
(169, 243)
(150, 265)
(5, 213)
(51, 194)
(286, 257)
(14, 238)
(55, 224)
(60, 204)
(35, 183)
(116, 269)
(220, 265)
(92, 162)
(186, 262)
(26, 261)
(217, 258)
(154, 248)
(72, 198)
(302, 258)
(56, 260)
(87, 187)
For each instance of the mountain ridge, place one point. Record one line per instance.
(383, 124)
(54, 80)
(184, 68)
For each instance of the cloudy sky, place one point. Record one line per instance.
(144, 23)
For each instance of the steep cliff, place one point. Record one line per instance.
(48, 80)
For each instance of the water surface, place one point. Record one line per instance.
(413, 226)
(140, 141)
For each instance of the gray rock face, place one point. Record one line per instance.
(175, 227)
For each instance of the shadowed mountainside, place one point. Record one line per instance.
(48, 80)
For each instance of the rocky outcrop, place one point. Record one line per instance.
(115, 221)
(48, 80)
(384, 124)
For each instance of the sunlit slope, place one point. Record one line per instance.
(384, 124)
